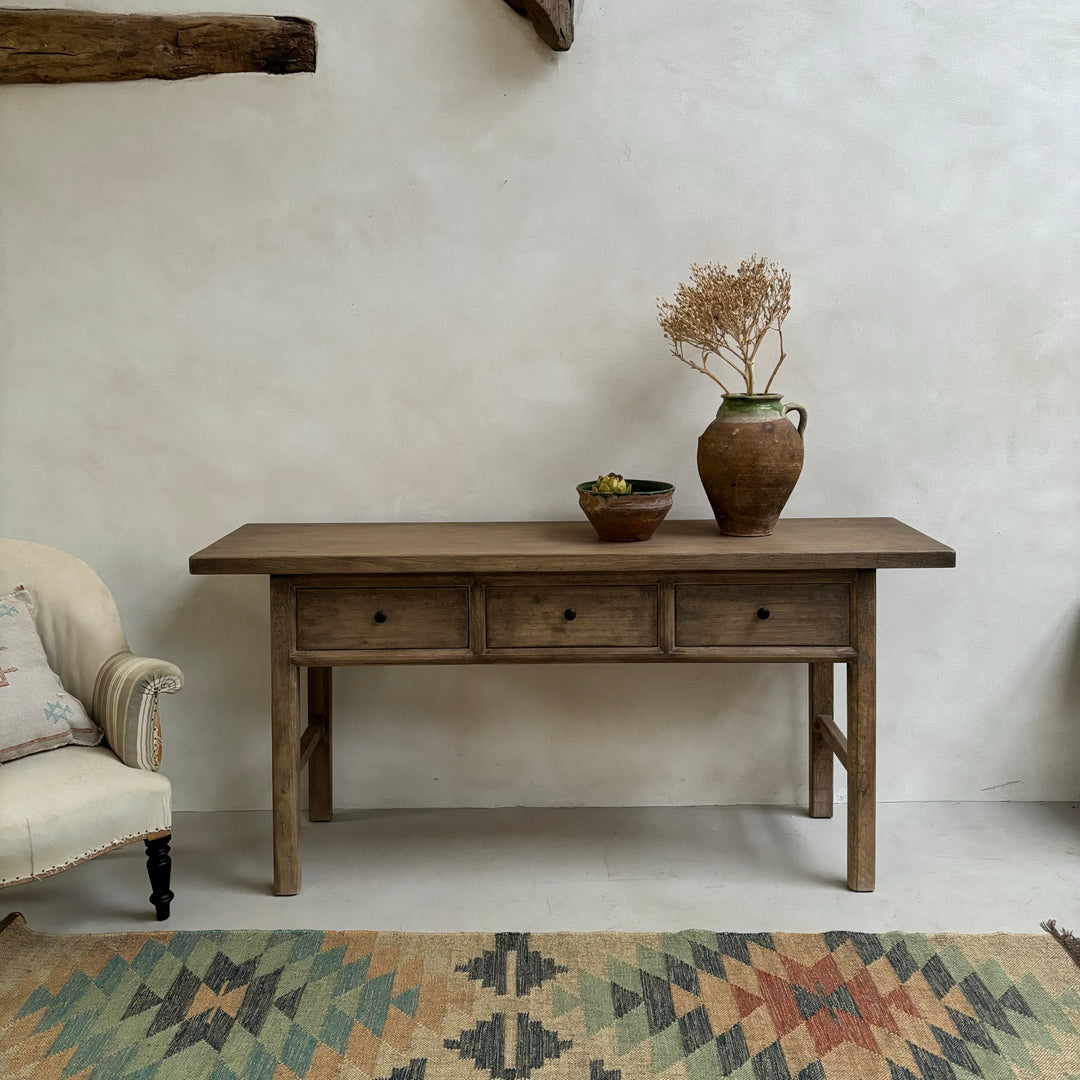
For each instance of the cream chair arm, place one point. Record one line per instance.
(125, 706)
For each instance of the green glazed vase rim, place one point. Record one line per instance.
(753, 397)
(640, 487)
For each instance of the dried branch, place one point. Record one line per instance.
(778, 362)
(728, 314)
(676, 351)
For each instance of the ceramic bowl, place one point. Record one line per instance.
(627, 517)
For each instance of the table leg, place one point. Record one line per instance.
(321, 767)
(861, 736)
(285, 730)
(821, 755)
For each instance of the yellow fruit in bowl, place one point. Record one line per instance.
(612, 484)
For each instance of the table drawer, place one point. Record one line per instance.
(382, 618)
(717, 615)
(571, 616)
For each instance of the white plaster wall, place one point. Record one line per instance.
(420, 285)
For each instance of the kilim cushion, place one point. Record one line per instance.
(36, 712)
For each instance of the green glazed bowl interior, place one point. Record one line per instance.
(638, 487)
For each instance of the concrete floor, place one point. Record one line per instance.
(972, 867)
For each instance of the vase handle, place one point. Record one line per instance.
(802, 415)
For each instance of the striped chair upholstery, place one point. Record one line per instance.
(125, 706)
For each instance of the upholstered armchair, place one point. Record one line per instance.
(63, 806)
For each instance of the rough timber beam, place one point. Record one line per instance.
(553, 20)
(44, 45)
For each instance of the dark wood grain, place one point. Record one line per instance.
(666, 613)
(321, 766)
(564, 547)
(862, 736)
(822, 682)
(311, 738)
(411, 618)
(47, 45)
(712, 615)
(571, 616)
(622, 654)
(477, 619)
(834, 738)
(553, 20)
(467, 581)
(285, 737)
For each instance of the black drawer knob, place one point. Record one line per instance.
(569, 614)
(380, 616)
(763, 612)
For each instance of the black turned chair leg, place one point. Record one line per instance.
(159, 867)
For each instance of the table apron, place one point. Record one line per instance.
(729, 655)
(735, 617)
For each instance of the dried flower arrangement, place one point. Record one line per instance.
(727, 315)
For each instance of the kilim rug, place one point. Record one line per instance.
(315, 1005)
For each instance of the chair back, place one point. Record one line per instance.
(74, 611)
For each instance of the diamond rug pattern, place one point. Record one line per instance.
(315, 1005)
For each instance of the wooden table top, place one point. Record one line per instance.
(564, 547)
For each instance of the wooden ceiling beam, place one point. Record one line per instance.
(552, 19)
(45, 45)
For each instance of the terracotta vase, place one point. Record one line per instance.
(749, 460)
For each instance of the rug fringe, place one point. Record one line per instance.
(1066, 938)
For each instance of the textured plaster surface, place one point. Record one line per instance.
(420, 285)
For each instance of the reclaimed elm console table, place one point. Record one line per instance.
(550, 592)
